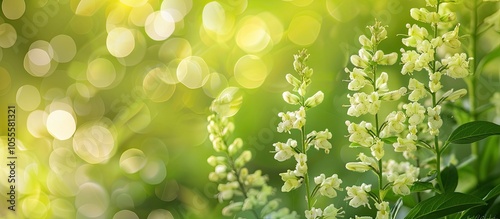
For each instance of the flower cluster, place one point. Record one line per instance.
(423, 43)
(421, 56)
(246, 191)
(296, 120)
(401, 176)
(372, 91)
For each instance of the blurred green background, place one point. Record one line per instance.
(112, 96)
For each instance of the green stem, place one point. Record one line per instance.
(434, 104)
(471, 82)
(306, 175)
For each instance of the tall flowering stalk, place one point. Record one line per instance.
(423, 43)
(244, 190)
(296, 120)
(371, 90)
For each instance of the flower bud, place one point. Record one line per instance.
(381, 82)
(235, 146)
(378, 56)
(388, 59)
(232, 208)
(431, 3)
(292, 80)
(357, 166)
(358, 62)
(243, 159)
(315, 100)
(367, 43)
(418, 14)
(456, 95)
(291, 98)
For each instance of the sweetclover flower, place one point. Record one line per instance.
(296, 121)
(244, 190)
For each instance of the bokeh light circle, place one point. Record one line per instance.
(120, 42)
(64, 48)
(132, 160)
(159, 25)
(101, 73)
(154, 172)
(61, 124)
(138, 15)
(35, 123)
(214, 17)
(253, 36)
(8, 35)
(304, 29)
(134, 3)
(155, 87)
(13, 9)
(125, 214)
(250, 71)
(214, 83)
(94, 142)
(62, 161)
(177, 8)
(192, 71)
(160, 214)
(92, 200)
(28, 97)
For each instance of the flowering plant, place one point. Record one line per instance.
(418, 174)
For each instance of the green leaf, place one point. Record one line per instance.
(473, 131)
(421, 186)
(390, 140)
(444, 204)
(479, 211)
(489, 157)
(449, 177)
(493, 193)
(395, 209)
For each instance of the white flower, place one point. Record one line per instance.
(402, 183)
(377, 149)
(291, 181)
(358, 195)
(383, 210)
(401, 175)
(331, 212)
(284, 150)
(301, 167)
(357, 79)
(416, 35)
(431, 3)
(226, 191)
(358, 133)
(329, 185)
(418, 90)
(291, 98)
(434, 82)
(404, 144)
(381, 82)
(394, 123)
(451, 38)
(409, 58)
(415, 113)
(314, 100)
(232, 209)
(457, 66)
(314, 213)
(362, 60)
(434, 120)
(292, 120)
(320, 140)
(362, 103)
